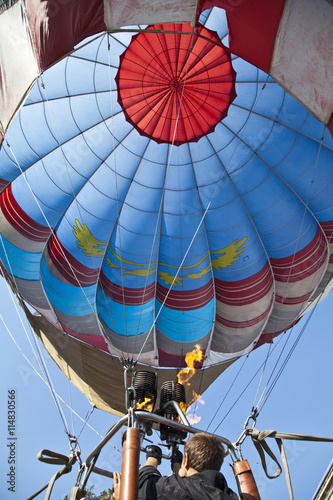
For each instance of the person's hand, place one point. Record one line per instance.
(153, 451)
(116, 486)
(176, 457)
(176, 460)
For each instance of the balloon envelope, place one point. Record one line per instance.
(146, 246)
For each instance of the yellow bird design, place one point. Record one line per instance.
(169, 279)
(124, 261)
(143, 272)
(87, 242)
(220, 259)
(228, 255)
(200, 273)
(223, 258)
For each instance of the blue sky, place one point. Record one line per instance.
(300, 402)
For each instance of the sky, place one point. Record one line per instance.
(300, 402)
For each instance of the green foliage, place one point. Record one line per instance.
(105, 493)
(90, 494)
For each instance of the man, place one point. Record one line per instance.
(196, 478)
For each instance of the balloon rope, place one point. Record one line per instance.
(310, 285)
(118, 207)
(160, 209)
(14, 303)
(263, 400)
(190, 244)
(51, 387)
(60, 249)
(119, 232)
(305, 205)
(245, 388)
(52, 232)
(74, 200)
(269, 388)
(47, 380)
(256, 405)
(39, 358)
(85, 421)
(70, 403)
(226, 394)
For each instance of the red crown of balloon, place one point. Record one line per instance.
(175, 83)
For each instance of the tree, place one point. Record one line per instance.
(105, 493)
(90, 494)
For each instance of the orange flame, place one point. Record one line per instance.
(192, 358)
(183, 407)
(195, 398)
(142, 406)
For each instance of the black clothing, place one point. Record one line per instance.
(207, 485)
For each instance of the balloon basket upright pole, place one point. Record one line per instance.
(131, 440)
(130, 464)
(245, 481)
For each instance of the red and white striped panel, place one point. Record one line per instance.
(18, 65)
(129, 12)
(34, 34)
(302, 61)
(292, 41)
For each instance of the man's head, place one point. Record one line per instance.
(202, 452)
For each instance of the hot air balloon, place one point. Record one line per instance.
(167, 184)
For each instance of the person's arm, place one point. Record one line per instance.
(148, 473)
(152, 461)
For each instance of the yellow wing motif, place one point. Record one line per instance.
(169, 279)
(200, 273)
(124, 261)
(92, 247)
(228, 255)
(143, 271)
(185, 267)
(87, 242)
(135, 272)
(140, 272)
(223, 258)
